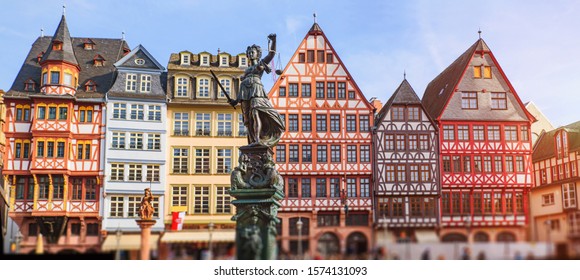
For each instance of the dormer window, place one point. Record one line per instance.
(224, 61)
(88, 44)
(98, 60)
(243, 61)
(140, 61)
(29, 85)
(185, 59)
(90, 86)
(57, 45)
(126, 51)
(561, 143)
(39, 57)
(204, 60)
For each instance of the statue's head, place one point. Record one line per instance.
(254, 52)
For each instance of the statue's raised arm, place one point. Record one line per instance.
(271, 48)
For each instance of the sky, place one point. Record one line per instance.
(535, 42)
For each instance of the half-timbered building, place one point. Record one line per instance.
(485, 149)
(406, 174)
(325, 153)
(54, 136)
(554, 198)
(135, 150)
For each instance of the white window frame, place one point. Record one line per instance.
(179, 195)
(154, 113)
(224, 158)
(227, 84)
(204, 60)
(117, 172)
(202, 158)
(135, 173)
(145, 83)
(203, 87)
(120, 109)
(224, 61)
(569, 199)
(181, 122)
(154, 141)
(224, 124)
(136, 141)
(139, 110)
(118, 140)
(131, 82)
(243, 61)
(222, 200)
(183, 160)
(185, 59)
(203, 124)
(117, 205)
(181, 87)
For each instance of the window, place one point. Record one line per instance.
(60, 149)
(281, 153)
(202, 124)
(493, 133)
(468, 100)
(227, 84)
(77, 189)
(118, 141)
(414, 114)
(306, 90)
(137, 112)
(204, 60)
(341, 90)
(401, 173)
(320, 90)
(321, 153)
(400, 142)
(145, 83)
(455, 203)
(397, 113)
(511, 133)
(466, 164)
(525, 134)
(50, 149)
(477, 204)
(43, 186)
(390, 142)
(330, 90)
(136, 141)
(83, 151)
(223, 198)
(487, 164)
(329, 58)
(292, 187)
(90, 189)
(335, 123)
(180, 156)
(424, 142)
(29, 85)
(306, 122)
(68, 80)
(477, 71)
(365, 186)
(456, 164)
(293, 153)
(119, 111)
(487, 203)
(181, 124)
(390, 173)
(241, 127)
(292, 122)
(487, 72)
(17, 150)
(351, 154)
(203, 88)
(463, 132)
(55, 77)
(310, 54)
(201, 200)
(363, 123)
(498, 164)
(301, 57)
(52, 113)
(224, 61)
(117, 172)
(185, 59)
(306, 187)
(498, 100)
(181, 87)
(519, 203)
(41, 115)
(519, 164)
(425, 173)
(320, 187)
(293, 90)
(154, 113)
(243, 61)
(351, 187)
(351, 94)
(117, 205)
(328, 220)
(224, 161)
(320, 56)
(548, 199)
(306, 153)
(85, 115)
(282, 91)
(398, 207)
(40, 149)
(335, 153)
(153, 173)
(224, 125)
(365, 153)
(202, 161)
(446, 164)
(449, 132)
(134, 204)
(320, 122)
(135, 172)
(179, 196)
(131, 82)
(62, 113)
(351, 123)
(414, 173)
(569, 195)
(478, 133)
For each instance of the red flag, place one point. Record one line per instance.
(177, 220)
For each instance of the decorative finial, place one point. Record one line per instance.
(479, 32)
(123, 35)
(41, 32)
(219, 51)
(64, 10)
(404, 74)
(314, 17)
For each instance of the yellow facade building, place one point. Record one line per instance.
(204, 134)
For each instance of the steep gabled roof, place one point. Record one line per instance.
(403, 95)
(440, 89)
(546, 146)
(61, 35)
(124, 62)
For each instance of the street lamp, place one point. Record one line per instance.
(118, 235)
(210, 227)
(299, 225)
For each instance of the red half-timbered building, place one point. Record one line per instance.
(54, 134)
(406, 169)
(325, 153)
(485, 154)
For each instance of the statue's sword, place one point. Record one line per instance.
(222, 87)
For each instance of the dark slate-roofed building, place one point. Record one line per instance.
(554, 200)
(406, 170)
(55, 134)
(485, 149)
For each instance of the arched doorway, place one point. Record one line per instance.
(356, 243)
(505, 236)
(328, 244)
(481, 237)
(454, 237)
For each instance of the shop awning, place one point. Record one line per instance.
(198, 236)
(426, 236)
(127, 242)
